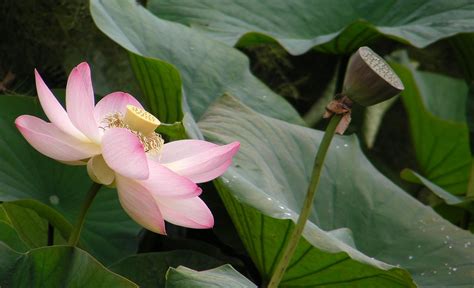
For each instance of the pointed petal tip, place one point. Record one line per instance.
(52, 142)
(22, 121)
(81, 70)
(19, 119)
(54, 110)
(80, 101)
(162, 233)
(206, 162)
(39, 80)
(235, 146)
(163, 182)
(37, 74)
(157, 229)
(211, 225)
(208, 224)
(83, 65)
(190, 212)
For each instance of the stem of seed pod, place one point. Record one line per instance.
(292, 243)
(76, 232)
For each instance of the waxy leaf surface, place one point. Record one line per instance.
(266, 186)
(332, 26)
(435, 105)
(208, 68)
(223, 276)
(56, 266)
(271, 174)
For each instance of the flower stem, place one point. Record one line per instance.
(76, 232)
(290, 248)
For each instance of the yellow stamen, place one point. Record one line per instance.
(152, 142)
(140, 120)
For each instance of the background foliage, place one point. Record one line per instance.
(229, 73)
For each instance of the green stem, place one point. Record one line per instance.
(76, 232)
(50, 234)
(290, 248)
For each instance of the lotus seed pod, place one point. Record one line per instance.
(140, 120)
(369, 79)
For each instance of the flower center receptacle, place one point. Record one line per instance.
(381, 67)
(140, 120)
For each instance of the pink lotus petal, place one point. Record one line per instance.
(198, 160)
(177, 150)
(113, 103)
(190, 212)
(210, 174)
(124, 153)
(52, 142)
(80, 101)
(54, 111)
(138, 202)
(164, 182)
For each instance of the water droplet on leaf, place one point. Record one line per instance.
(53, 199)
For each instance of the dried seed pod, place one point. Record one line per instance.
(369, 79)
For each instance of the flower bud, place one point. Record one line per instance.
(369, 79)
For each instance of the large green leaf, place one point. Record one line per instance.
(10, 237)
(149, 269)
(208, 68)
(161, 86)
(31, 227)
(55, 266)
(270, 177)
(109, 233)
(414, 177)
(54, 218)
(334, 26)
(224, 277)
(436, 110)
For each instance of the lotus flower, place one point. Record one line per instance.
(116, 139)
